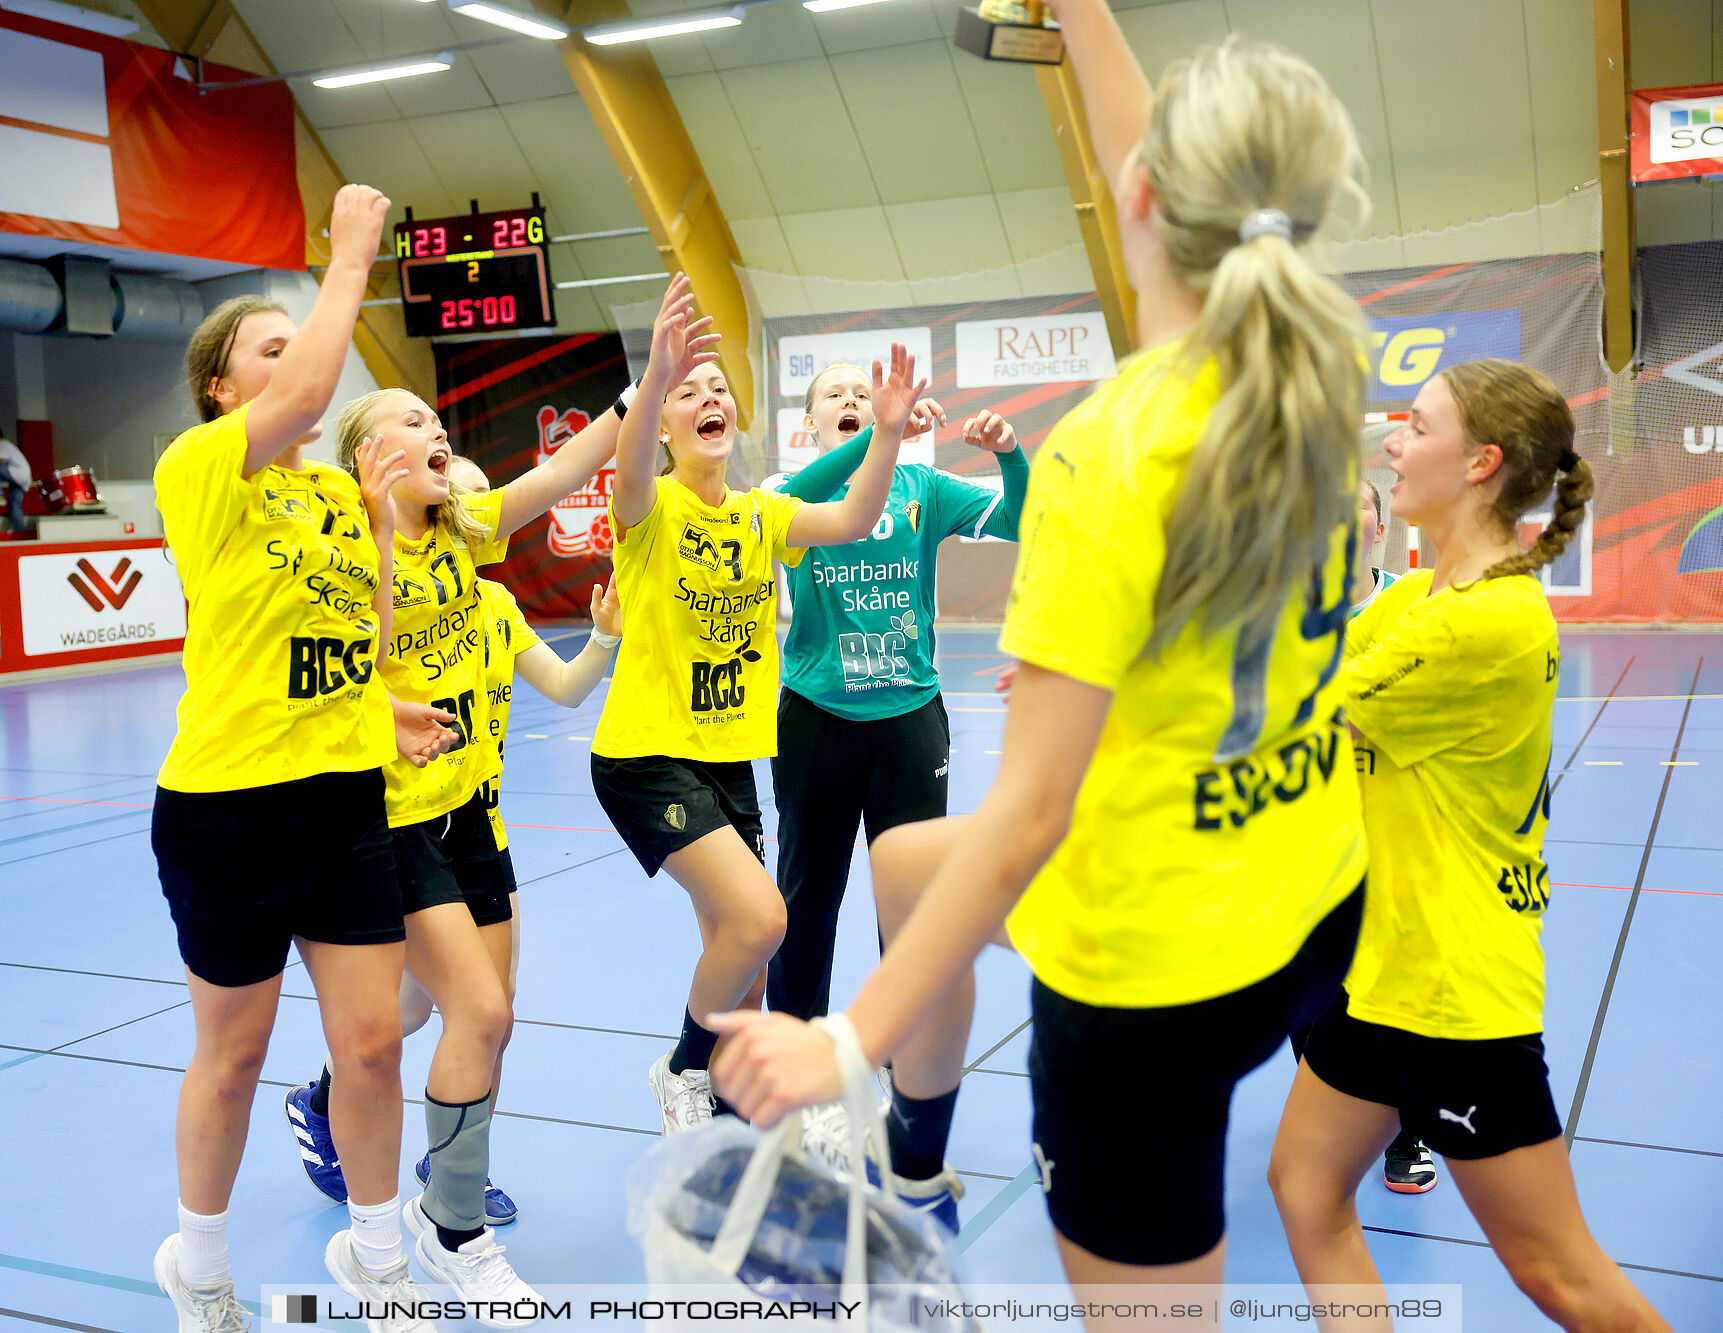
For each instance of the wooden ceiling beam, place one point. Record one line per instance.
(1609, 27)
(1092, 197)
(627, 98)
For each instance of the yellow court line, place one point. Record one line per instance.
(535, 736)
(1680, 763)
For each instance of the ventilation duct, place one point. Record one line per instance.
(30, 299)
(143, 306)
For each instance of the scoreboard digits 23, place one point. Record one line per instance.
(477, 273)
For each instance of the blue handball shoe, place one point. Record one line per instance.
(500, 1210)
(316, 1145)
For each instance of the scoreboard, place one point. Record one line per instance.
(477, 273)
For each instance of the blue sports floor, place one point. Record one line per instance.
(95, 1026)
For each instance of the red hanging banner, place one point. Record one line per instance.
(107, 143)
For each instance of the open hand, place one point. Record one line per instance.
(772, 1064)
(606, 608)
(377, 478)
(680, 342)
(896, 394)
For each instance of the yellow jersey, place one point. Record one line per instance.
(280, 570)
(438, 658)
(697, 676)
(507, 636)
(1218, 821)
(1453, 692)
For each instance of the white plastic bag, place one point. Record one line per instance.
(730, 1209)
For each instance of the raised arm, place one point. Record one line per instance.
(1116, 93)
(574, 464)
(773, 1064)
(298, 393)
(990, 431)
(679, 344)
(851, 518)
(820, 479)
(569, 683)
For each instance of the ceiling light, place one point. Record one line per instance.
(513, 20)
(378, 73)
(72, 16)
(827, 6)
(645, 30)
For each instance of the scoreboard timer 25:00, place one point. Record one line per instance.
(477, 273)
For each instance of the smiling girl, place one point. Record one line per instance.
(1449, 680)
(269, 825)
(859, 679)
(690, 707)
(455, 882)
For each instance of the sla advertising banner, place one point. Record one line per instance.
(104, 142)
(509, 403)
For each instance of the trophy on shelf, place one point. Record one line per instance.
(1014, 30)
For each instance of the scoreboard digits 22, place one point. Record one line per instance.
(477, 273)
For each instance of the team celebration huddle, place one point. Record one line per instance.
(1253, 790)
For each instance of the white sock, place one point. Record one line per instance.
(376, 1234)
(203, 1249)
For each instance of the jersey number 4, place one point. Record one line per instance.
(1250, 665)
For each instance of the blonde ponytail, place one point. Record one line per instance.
(357, 421)
(1238, 130)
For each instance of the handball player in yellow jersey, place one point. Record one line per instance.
(455, 884)
(1173, 841)
(269, 824)
(1450, 678)
(692, 702)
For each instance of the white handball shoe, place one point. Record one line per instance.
(201, 1309)
(685, 1099)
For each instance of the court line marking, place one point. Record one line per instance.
(1007, 1038)
(1626, 925)
(75, 847)
(52, 1322)
(1484, 1244)
(1586, 735)
(1649, 1147)
(68, 828)
(91, 1278)
(997, 1207)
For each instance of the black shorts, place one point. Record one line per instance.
(246, 871)
(1131, 1105)
(453, 859)
(1465, 1099)
(662, 805)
